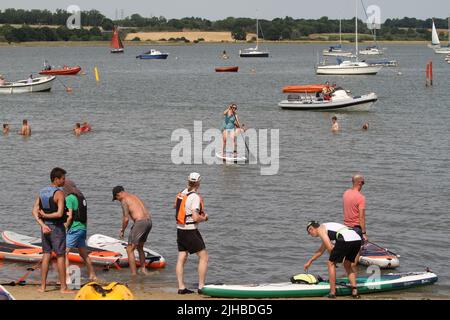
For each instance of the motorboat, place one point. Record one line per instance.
(64, 71)
(442, 50)
(153, 54)
(348, 68)
(338, 99)
(371, 51)
(382, 63)
(39, 84)
(227, 69)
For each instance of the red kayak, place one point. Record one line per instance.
(311, 88)
(227, 69)
(65, 71)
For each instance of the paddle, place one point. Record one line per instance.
(68, 89)
(239, 126)
(384, 249)
(21, 281)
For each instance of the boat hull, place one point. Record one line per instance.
(227, 69)
(42, 84)
(254, 55)
(61, 72)
(442, 50)
(337, 54)
(336, 70)
(362, 103)
(117, 51)
(152, 57)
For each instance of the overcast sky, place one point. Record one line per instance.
(267, 9)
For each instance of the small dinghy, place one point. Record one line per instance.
(227, 69)
(40, 84)
(64, 71)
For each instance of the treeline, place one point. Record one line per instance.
(286, 28)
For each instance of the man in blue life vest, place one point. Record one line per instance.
(48, 210)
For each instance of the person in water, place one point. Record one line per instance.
(48, 210)
(229, 127)
(5, 129)
(189, 213)
(224, 55)
(134, 208)
(334, 125)
(365, 126)
(76, 225)
(346, 248)
(77, 129)
(26, 129)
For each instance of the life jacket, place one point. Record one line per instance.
(180, 208)
(48, 205)
(80, 214)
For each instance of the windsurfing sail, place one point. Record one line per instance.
(116, 43)
(434, 36)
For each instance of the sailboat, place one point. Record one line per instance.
(336, 51)
(349, 67)
(372, 50)
(439, 49)
(254, 52)
(116, 44)
(435, 43)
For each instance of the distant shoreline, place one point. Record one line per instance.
(168, 43)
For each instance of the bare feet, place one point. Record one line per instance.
(93, 277)
(66, 291)
(41, 289)
(144, 271)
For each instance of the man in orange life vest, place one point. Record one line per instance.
(189, 213)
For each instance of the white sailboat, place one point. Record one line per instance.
(443, 50)
(372, 50)
(435, 43)
(336, 51)
(349, 67)
(254, 52)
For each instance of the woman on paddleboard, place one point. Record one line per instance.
(230, 126)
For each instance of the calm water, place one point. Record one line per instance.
(256, 230)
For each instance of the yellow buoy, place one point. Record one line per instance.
(97, 78)
(111, 291)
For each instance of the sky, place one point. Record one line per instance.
(265, 9)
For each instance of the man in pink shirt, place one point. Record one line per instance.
(355, 207)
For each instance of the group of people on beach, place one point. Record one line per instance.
(60, 209)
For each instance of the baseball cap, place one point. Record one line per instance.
(116, 190)
(194, 177)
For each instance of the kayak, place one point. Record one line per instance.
(372, 254)
(231, 157)
(5, 295)
(65, 71)
(227, 69)
(311, 88)
(20, 253)
(365, 285)
(98, 256)
(101, 242)
(111, 291)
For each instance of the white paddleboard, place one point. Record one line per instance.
(99, 241)
(231, 157)
(5, 295)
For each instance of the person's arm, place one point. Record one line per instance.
(59, 199)
(35, 213)
(125, 218)
(197, 215)
(69, 218)
(325, 239)
(362, 222)
(226, 111)
(70, 206)
(316, 255)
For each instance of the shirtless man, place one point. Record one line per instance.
(5, 129)
(133, 207)
(26, 129)
(335, 125)
(77, 129)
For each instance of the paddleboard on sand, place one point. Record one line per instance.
(152, 259)
(14, 252)
(231, 157)
(5, 295)
(388, 282)
(98, 256)
(372, 254)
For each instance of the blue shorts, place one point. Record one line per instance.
(76, 239)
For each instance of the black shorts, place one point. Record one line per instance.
(342, 249)
(358, 230)
(190, 240)
(55, 241)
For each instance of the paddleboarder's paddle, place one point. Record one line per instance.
(239, 125)
(68, 89)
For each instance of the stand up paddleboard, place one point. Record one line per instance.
(373, 254)
(152, 259)
(5, 295)
(365, 285)
(230, 157)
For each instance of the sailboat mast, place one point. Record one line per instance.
(340, 31)
(257, 32)
(356, 28)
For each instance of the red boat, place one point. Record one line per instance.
(65, 71)
(227, 69)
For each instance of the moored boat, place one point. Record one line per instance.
(382, 63)
(116, 44)
(348, 68)
(153, 54)
(64, 71)
(339, 99)
(39, 84)
(227, 69)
